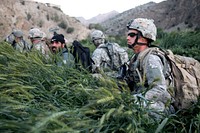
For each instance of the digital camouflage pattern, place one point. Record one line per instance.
(107, 57)
(10, 38)
(145, 26)
(17, 41)
(149, 72)
(41, 46)
(97, 34)
(152, 76)
(102, 58)
(184, 76)
(21, 46)
(36, 35)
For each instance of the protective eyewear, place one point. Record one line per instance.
(132, 34)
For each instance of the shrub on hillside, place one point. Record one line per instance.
(63, 25)
(70, 29)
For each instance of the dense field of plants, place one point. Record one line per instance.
(38, 96)
(182, 43)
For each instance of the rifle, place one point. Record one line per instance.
(122, 71)
(122, 76)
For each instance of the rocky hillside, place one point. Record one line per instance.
(98, 19)
(168, 15)
(24, 14)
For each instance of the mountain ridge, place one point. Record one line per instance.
(169, 15)
(98, 18)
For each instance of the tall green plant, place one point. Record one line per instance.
(183, 43)
(38, 96)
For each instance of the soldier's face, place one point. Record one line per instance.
(56, 46)
(131, 38)
(133, 41)
(17, 39)
(97, 42)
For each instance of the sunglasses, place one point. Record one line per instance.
(132, 34)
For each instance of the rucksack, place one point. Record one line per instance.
(185, 72)
(25, 45)
(81, 55)
(117, 55)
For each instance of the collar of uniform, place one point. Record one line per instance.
(101, 45)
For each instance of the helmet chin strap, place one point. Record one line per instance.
(136, 42)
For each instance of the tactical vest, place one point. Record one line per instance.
(136, 77)
(117, 55)
(181, 73)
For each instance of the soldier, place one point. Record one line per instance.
(17, 41)
(141, 32)
(36, 37)
(58, 47)
(107, 57)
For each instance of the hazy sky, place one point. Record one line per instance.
(91, 8)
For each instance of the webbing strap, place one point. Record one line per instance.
(109, 50)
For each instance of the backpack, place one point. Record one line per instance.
(117, 55)
(185, 72)
(81, 55)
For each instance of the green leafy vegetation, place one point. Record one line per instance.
(182, 43)
(38, 96)
(96, 26)
(55, 17)
(22, 2)
(63, 25)
(70, 29)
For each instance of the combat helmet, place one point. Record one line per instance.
(35, 33)
(17, 33)
(97, 34)
(145, 26)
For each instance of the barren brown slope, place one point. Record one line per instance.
(24, 15)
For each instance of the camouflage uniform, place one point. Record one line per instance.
(10, 38)
(17, 41)
(22, 46)
(152, 72)
(101, 55)
(100, 58)
(41, 46)
(36, 37)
